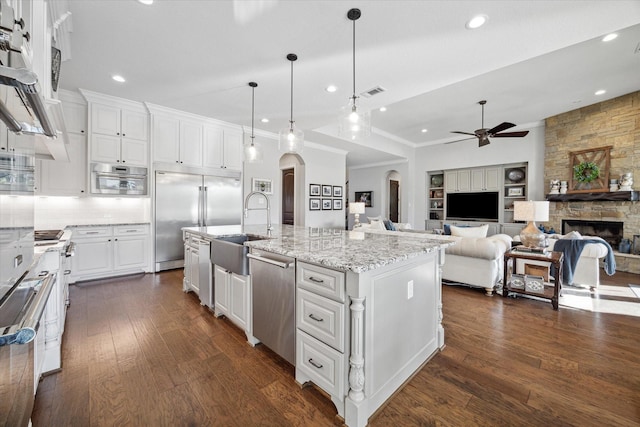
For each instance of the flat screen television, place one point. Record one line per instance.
(473, 206)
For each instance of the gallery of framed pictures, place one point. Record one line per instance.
(325, 197)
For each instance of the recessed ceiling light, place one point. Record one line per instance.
(609, 37)
(424, 131)
(601, 92)
(118, 78)
(476, 22)
(146, 2)
(331, 88)
(264, 120)
(383, 109)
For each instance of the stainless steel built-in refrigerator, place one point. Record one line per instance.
(187, 200)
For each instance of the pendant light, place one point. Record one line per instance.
(355, 124)
(252, 152)
(291, 139)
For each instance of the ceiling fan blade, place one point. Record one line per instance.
(510, 134)
(459, 140)
(500, 128)
(463, 133)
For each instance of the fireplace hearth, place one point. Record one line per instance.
(610, 231)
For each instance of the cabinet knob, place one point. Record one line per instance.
(109, 240)
(118, 161)
(118, 133)
(123, 161)
(81, 131)
(20, 22)
(124, 134)
(26, 35)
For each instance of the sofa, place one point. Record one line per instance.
(474, 260)
(586, 271)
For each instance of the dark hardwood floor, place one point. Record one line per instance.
(138, 351)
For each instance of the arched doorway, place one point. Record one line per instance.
(292, 191)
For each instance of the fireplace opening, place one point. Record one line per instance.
(610, 231)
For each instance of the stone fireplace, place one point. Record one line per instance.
(613, 123)
(610, 231)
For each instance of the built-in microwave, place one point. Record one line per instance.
(118, 180)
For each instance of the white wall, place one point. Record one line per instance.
(467, 154)
(321, 166)
(59, 212)
(464, 154)
(375, 179)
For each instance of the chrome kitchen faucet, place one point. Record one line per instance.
(268, 208)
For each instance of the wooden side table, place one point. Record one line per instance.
(550, 291)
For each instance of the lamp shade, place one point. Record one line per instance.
(531, 211)
(356, 208)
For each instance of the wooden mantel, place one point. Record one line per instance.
(611, 196)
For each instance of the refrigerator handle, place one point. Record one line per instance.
(200, 222)
(205, 205)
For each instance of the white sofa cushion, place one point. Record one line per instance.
(480, 231)
(492, 247)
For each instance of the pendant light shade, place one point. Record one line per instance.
(291, 139)
(355, 123)
(252, 151)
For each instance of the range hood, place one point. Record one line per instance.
(22, 107)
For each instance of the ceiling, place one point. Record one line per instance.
(531, 60)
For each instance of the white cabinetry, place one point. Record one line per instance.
(107, 251)
(59, 178)
(485, 179)
(177, 141)
(321, 337)
(118, 130)
(191, 281)
(233, 299)
(192, 140)
(57, 262)
(457, 180)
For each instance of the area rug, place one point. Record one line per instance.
(606, 299)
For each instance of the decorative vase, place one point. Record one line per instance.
(613, 185)
(555, 186)
(626, 181)
(563, 187)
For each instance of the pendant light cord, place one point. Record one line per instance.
(253, 96)
(291, 117)
(354, 61)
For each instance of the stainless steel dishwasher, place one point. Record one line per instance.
(274, 300)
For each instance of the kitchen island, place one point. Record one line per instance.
(368, 308)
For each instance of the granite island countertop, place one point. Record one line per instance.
(334, 248)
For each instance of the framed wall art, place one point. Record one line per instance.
(326, 204)
(262, 185)
(314, 204)
(327, 191)
(337, 204)
(337, 191)
(365, 197)
(314, 189)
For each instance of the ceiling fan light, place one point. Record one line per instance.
(610, 37)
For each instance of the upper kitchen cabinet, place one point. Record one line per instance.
(118, 130)
(192, 140)
(222, 147)
(177, 140)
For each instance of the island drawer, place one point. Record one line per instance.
(322, 364)
(321, 318)
(321, 281)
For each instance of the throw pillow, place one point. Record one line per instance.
(572, 235)
(447, 229)
(377, 225)
(480, 231)
(387, 224)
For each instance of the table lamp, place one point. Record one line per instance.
(531, 211)
(356, 208)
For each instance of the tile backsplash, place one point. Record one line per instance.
(59, 212)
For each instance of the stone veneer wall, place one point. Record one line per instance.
(616, 123)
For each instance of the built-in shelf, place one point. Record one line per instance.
(612, 196)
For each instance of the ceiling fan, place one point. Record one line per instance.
(483, 134)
